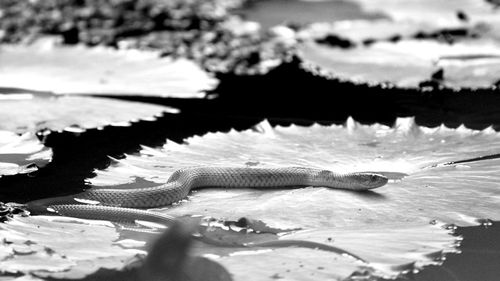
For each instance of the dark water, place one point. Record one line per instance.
(270, 13)
(479, 260)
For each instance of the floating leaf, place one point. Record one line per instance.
(21, 154)
(338, 252)
(366, 32)
(388, 253)
(60, 69)
(32, 112)
(407, 63)
(405, 247)
(441, 173)
(464, 48)
(438, 12)
(430, 191)
(28, 246)
(22, 278)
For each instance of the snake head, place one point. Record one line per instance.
(351, 181)
(371, 180)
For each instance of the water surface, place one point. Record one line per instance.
(270, 13)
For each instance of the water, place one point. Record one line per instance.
(276, 12)
(478, 260)
(480, 248)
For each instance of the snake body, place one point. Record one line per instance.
(120, 205)
(183, 181)
(113, 203)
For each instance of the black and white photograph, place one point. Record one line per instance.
(249, 140)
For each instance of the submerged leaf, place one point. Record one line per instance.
(66, 70)
(21, 154)
(32, 112)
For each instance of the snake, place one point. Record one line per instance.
(128, 205)
(115, 202)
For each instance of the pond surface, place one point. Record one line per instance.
(271, 13)
(478, 261)
(479, 248)
(245, 100)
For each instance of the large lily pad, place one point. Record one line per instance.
(438, 174)
(455, 193)
(21, 154)
(407, 63)
(33, 112)
(46, 66)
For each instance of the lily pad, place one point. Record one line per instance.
(33, 112)
(463, 52)
(47, 66)
(407, 63)
(439, 12)
(21, 154)
(28, 247)
(365, 32)
(431, 190)
(385, 253)
(440, 173)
